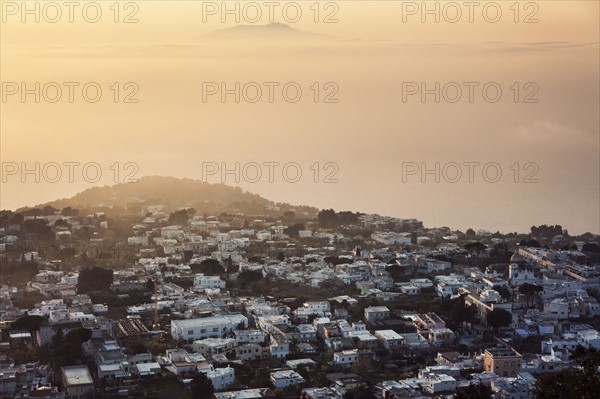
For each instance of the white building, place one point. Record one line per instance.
(389, 339)
(422, 282)
(264, 235)
(321, 309)
(71, 278)
(52, 304)
(448, 288)
(214, 346)
(80, 316)
(520, 274)
(45, 276)
(365, 338)
(285, 378)
(440, 336)
(376, 313)
(77, 382)
(408, 288)
(172, 232)
(345, 358)
(589, 339)
(216, 326)
(305, 233)
(208, 282)
(247, 352)
(221, 378)
(58, 315)
(391, 238)
(558, 308)
(433, 265)
(305, 333)
(138, 240)
(435, 383)
(567, 343)
(250, 336)
(279, 346)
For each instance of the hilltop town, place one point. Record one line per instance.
(158, 302)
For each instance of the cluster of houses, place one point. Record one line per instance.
(211, 328)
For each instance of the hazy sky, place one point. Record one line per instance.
(374, 53)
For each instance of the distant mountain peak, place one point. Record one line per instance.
(277, 25)
(270, 31)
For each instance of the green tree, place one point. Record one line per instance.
(233, 267)
(249, 276)
(470, 234)
(498, 318)
(49, 210)
(187, 256)
(479, 391)
(94, 279)
(202, 387)
(28, 323)
(530, 243)
(67, 350)
(591, 247)
(68, 211)
(475, 247)
(262, 376)
(181, 216)
(61, 223)
(79, 335)
(210, 267)
(58, 338)
(327, 218)
(530, 291)
(594, 292)
(8, 217)
(38, 229)
(503, 291)
(572, 383)
(293, 230)
(360, 392)
(460, 312)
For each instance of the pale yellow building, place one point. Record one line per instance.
(505, 362)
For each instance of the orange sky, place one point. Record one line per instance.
(369, 54)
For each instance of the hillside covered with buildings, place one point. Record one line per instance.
(202, 291)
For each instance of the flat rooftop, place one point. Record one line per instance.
(502, 352)
(190, 323)
(388, 334)
(76, 375)
(377, 309)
